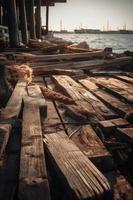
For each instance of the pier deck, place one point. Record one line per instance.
(70, 144)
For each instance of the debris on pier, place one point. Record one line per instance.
(66, 128)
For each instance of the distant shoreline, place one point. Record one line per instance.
(107, 33)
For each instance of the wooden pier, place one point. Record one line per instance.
(64, 135)
(66, 127)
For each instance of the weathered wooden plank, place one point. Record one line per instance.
(120, 107)
(109, 126)
(50, 71)
(69, 56)
(126, 134)
(4, 136)
(91, 64)
(85, 138)
(13, 107)
(117, 87)
(33, 181)
(83, 97)
(36, 97)
(79, 176)
(50, 123)
(127, 79)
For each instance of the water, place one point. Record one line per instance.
(119, 42)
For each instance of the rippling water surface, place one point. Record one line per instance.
(119, 42)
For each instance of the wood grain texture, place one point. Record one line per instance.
(83, 97)
(78, 175)
(33, 181)
(14, 104)
(115, 104)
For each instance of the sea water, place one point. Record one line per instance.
(119, 42)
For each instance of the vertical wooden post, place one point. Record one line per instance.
(31, 19)
(4, 17)
(38, 19)
(1, 14)
(47, 19)
(12, 23)
(23, 22)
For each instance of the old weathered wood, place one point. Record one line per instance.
(69, 56)
(33, 181)
(9, 164)
(125, 78)
(78, 175)
(50, 123)
(4, 136)
(86, 139)
(109, 126)
(126, 134)
(120, 107)
(117, 87)
(91, 64)
(48, 71)
(83, 97)
(36, 97)
(13, 107)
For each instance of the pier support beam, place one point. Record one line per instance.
(23, 22)
(38, 19)
(47, 19)
(1, 14)
(31, 19)
(12, 23)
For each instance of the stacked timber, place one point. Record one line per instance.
(45, 46)
(111, 101)
(84, 98)
(117, 87)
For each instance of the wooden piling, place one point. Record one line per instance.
(12, 23)
(47, 19)
(23, 22)
(38, 19)
(1, 14)
(31, 19)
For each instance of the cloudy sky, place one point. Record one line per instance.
(91, 14)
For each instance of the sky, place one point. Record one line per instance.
(95, 14)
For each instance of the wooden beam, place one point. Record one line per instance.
(47, 19)
(117, 87)
(13, 107)
(109, 126)
(12, 23)
(83, 97)
(33, 181)
(38, 19)
(23, 22)
(125, 134)
(81, 179)
(31, 19)
(118, 106)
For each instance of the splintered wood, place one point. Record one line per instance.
(83, 97)
(117, 87)
(112, 102)
(79, 176)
